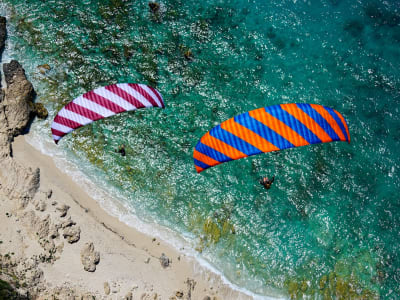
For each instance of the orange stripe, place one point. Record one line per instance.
(344, 124)
(330, 120)
(307, 121)
(278, 126)
(204, 158)
(198, 169)
(248, 136)
(222, 147)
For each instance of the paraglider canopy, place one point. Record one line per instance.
(101, 103)
(269, 129)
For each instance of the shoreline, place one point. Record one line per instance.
(182, 268)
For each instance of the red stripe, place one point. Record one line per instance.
(158, 95)
(67, 122)
(87, 113)
(103, 102)
(141, 91)
(57, 132)
(121, 93)
(144, 93)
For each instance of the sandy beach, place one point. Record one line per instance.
(130, 266)
(129, 260)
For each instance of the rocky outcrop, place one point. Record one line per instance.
(17, 182)
(89, 257)
(18, 100)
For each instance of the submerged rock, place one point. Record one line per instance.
(40, 110)
(44, 68)
(154, 7)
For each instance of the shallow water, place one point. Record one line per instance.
(330, 223)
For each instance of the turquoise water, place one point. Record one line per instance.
(329, 227)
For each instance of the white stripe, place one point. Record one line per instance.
(56, 137)
(93, 106)
(150, 92)
(74, 117)
(114, 98)
(61, 127)
(139, 97)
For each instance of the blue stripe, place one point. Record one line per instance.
(265, 132)
(338, 120)
(234, 141)
(214, 154)
(200, 164)
(319, 119)
(293, 123)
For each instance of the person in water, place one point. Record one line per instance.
(267, 182)
(121, 149)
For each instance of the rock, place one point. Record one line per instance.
(67, 223)
(53, 232)
(33, 276)
(63, 209)
(179, 294)
(49, 193)
(43, 68)
(18, 99)
(3, 33)
(89, 257)
(154, 7)
(188, 55)
(106, 288)
(207, 298)
(190, 285)
(40, 205)
(164, 260)
(72, 234)
(40, 110)
(128, 296)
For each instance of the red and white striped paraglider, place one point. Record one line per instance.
(101, 103)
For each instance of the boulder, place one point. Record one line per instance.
(89, 257)
(18, 105)
(164, 260)
(72, 234)
(106, 288)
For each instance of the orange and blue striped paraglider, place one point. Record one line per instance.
(269, 129)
